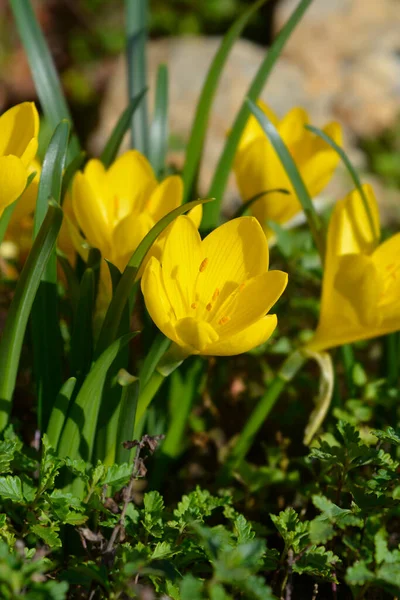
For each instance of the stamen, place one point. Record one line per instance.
(241, 287)
(209, 306)
(194, 305)
(215, 295)
(224, 320)
(203, 265)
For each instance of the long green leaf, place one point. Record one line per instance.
(159, 125)
(293, 173)
(136, 32)
(46, 335)
(70, 171)
(18, 314)
(114, 142)
(158, 348)
(77, 439)
(43, 71)
(200, 123)
(114, 313)
(352, 172)
(220, 179)
(60, 410)
(126, 423)
(82, 334)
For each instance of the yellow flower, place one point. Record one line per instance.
(212, 297)
(20, 227)
(258, 168)
(19, 128)
(116, 208)
(361, 285)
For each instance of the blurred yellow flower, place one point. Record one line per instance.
(212, 297)
(20, 227)
(19, 128)
(258, 168)
(116, 208)
(361, 284)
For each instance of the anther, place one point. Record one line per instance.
(209, 306)
(224, 320)
(203, 265)
(215, 295)
(241, 287)
(194, 305)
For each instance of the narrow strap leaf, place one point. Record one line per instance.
(114, 142)
(293, 173)
(200, 123)
(43, 71)
(352, 172)
(60, 410)
(159, 125)
(20, 308)
(220, 178)
(136, 32)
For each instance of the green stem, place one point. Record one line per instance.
(288, 370)
(348, 364)
(145, 398)
(392, 358)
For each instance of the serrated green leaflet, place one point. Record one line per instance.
(20, 308)
(114, 142)
(136, 32)
(77, 439)
(220, 179)
(60, 411)
(44, 73)
(200, 123)
(46, 334)
(352, 172)
(114, 313)
(293, 173)
(159, 125)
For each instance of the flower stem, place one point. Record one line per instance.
(145, 397)
(348, 364)
(288, 370)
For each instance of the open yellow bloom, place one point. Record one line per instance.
(19, 128)
(212, 297)
(116, 208)
(258, 168)
(361, 285)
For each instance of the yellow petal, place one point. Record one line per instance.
(156, 300)
(27, 202)
(234, 252)
(253, 129)
(89, 213)
(196, 215)
(195, 335)
(359, 282)
(127, 236)
(181, 260)
(258, 169)
(13, 176)
(386, 259)
(247, 305)
(130, 180)
(291, 127)
(166, 196)
(19, 127)
(353, 232)
(245, 340)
